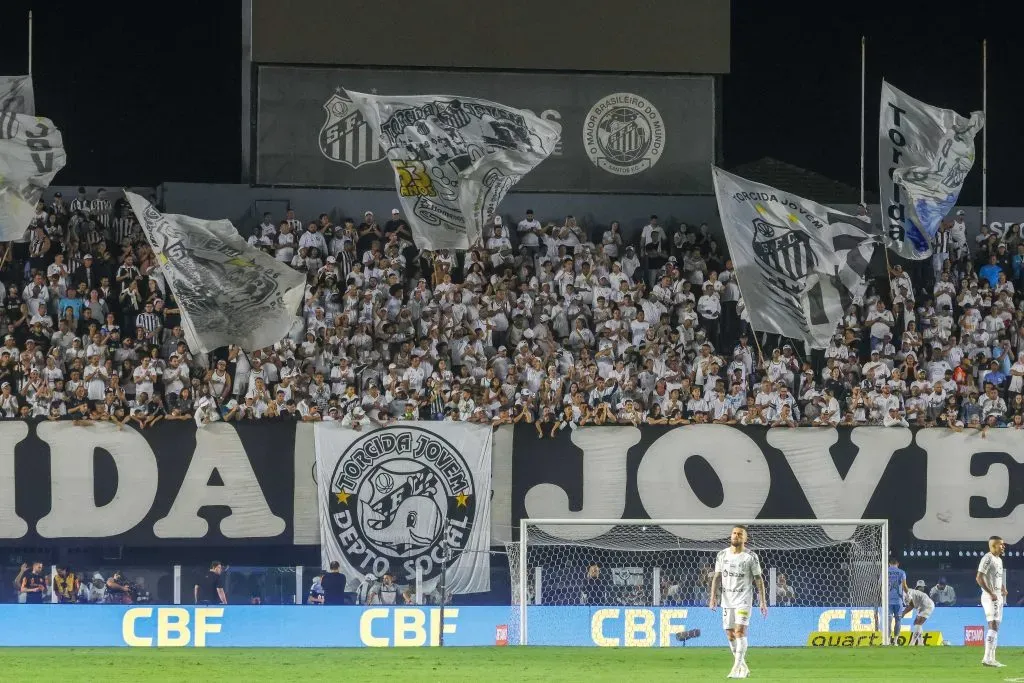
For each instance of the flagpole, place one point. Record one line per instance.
(30, 42)
(984, 132)
(863, 103)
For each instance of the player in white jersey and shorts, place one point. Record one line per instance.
(993, 596)
(924, 606)
(738, 570)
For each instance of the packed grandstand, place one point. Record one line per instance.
(545, 322)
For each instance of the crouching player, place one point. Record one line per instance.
(922, 606)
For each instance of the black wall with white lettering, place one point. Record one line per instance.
(938, 489)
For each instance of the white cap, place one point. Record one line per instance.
(331, 259)
(394, 211)
(87, 256)
(497, 220)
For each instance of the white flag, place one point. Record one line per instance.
(405, 497)
(16, 95)
(924, 155)
(799, 264)
(455, 159)
(31, 154)
(228, 291)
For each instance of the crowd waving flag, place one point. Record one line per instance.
(228, 292)
(924, 155)
(31, 155)
(799, 264)
(17, 95)
(455, 159)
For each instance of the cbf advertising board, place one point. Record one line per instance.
(410, 626)
(647, 134)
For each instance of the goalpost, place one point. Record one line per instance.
(826, 564)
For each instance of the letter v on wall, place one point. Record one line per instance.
(832, 496)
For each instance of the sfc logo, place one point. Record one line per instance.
(398, 498)
(345, 136)
(624, 134)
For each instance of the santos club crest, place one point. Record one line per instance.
(345, 136)
(624, 134)
(399, 497)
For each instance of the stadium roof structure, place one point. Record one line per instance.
(808, 184)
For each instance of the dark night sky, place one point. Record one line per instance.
(143, 98)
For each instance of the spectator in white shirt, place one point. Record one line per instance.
(528, 230)
(943, 594)
(894, 419)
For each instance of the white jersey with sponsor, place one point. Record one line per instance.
(992, 567)
(919, 600)
(738, 571)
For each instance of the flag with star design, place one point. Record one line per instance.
(410, 499)
(799, 264)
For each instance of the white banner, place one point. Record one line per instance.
(403, 497)
(455, 159)
(17, 95)
(924, 155)
(799, 264)
(228, 291)
(31, 155)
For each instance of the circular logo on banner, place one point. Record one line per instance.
(399, 497)
(624, 134)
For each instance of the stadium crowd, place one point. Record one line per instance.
(552, 324)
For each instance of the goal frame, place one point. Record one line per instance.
(525, 523)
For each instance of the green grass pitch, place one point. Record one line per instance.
(479, 664)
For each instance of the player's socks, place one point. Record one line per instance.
(991, 638)
(915, 639)
(741, 650)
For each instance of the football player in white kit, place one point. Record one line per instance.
(738, 570)
(993, 596)
(920, 601)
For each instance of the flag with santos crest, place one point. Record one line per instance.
(799, 264)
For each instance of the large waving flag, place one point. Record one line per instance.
(455, 159)
(924, 155)
(228, 291)
(799, 264)
(17, 95)
(31, 155)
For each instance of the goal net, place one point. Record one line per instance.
(835, 567)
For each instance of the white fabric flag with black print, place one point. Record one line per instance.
(455, 159)
(924, 155)
(31, 155)
(228, 292)
(799, 264)
(17, 95)
(412, 500)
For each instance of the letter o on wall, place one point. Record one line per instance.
(739, 463)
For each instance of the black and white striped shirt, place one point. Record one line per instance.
(80, 203)
(93, 238)
(345, 261)
(940, 242)
(295, 224)
(121, 227)
(102, 209)
(147, 321)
